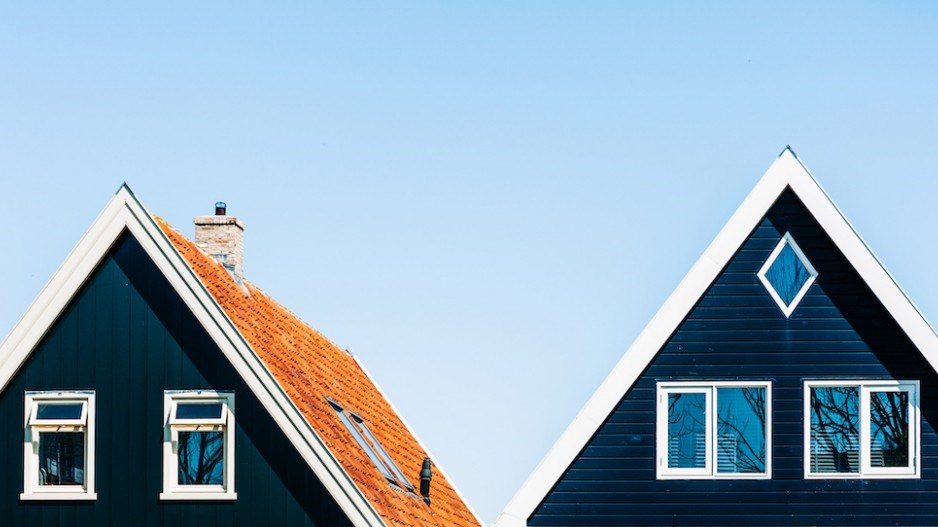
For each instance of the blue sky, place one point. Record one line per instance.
(486, 202)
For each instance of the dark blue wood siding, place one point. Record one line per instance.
(128, 336)
(737, 332)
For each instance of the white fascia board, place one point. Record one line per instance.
(786, 171)
(125, 212)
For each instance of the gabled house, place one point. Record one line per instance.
(150, 383)
(788, 380)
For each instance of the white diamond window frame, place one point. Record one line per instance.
(788, 240)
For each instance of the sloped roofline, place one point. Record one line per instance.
(124, 212)
(786, 172)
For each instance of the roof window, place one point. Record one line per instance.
(356, 426)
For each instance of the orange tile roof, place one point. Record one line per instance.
(310, 368)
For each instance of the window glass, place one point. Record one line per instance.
(59, 411)
(61, 458)
(401, 479)
(889, 429)
(210, 410)
(687, 430)
(741, 430)
(835, 436)
(201, 457)
(787, 274)
(357, 435)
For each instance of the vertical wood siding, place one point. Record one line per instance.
(128, 336)
(736, 332)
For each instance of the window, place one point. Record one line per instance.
(787, 274)
(372, 447)
(198, 446)
(58, 450)
(714, 430)
(865, 429)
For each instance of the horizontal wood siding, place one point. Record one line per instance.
(128, 337)
(736, 332)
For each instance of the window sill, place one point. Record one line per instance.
(58, 496)
(198, 496)
(711, 477)
(862, 476)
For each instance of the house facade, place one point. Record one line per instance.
(150, 383)
(787, 381)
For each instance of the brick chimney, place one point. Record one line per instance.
(222, 237)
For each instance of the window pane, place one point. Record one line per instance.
(201, 458)
(198, 410)
(687, 429)
(61, 458)
(889, 429)
(360, 439)
(835, 436)
(741, 430)
(379, 449)
(787, 274)
(59, 411)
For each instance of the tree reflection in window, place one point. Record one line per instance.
(835, 436)
(889, 429)
(741, 430)
(61, 458)
(201, 456)
(687, 439)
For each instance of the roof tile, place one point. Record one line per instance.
(310, 368)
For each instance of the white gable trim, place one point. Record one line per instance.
(786, 171)
(125, 212)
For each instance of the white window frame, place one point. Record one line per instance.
(172, 490)
(663, 471)
(32, 490)
(866, 470)
(787, 239)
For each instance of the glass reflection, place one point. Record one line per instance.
(741, 430)
(59, 411)
(889, 429)
(198, 410)
(201, 456)
(61, 458)
(687, 440)
(835, 436)
(787, 274)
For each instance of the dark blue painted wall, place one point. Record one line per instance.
(737, 332)
(129, 337)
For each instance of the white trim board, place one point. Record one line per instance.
(786, 172)
(125, 213)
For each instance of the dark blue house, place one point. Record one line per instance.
(788, 381)
(152, 384)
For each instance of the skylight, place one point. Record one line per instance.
(373, 449)
(787, 274)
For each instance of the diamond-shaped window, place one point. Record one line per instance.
(787, 274)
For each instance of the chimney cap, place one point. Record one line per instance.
(220, 208)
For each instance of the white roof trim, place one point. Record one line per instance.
(125, 212)
(786, 171)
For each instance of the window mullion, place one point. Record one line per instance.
(712, 430)
(865, 444)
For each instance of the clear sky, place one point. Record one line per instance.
(485, 202)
